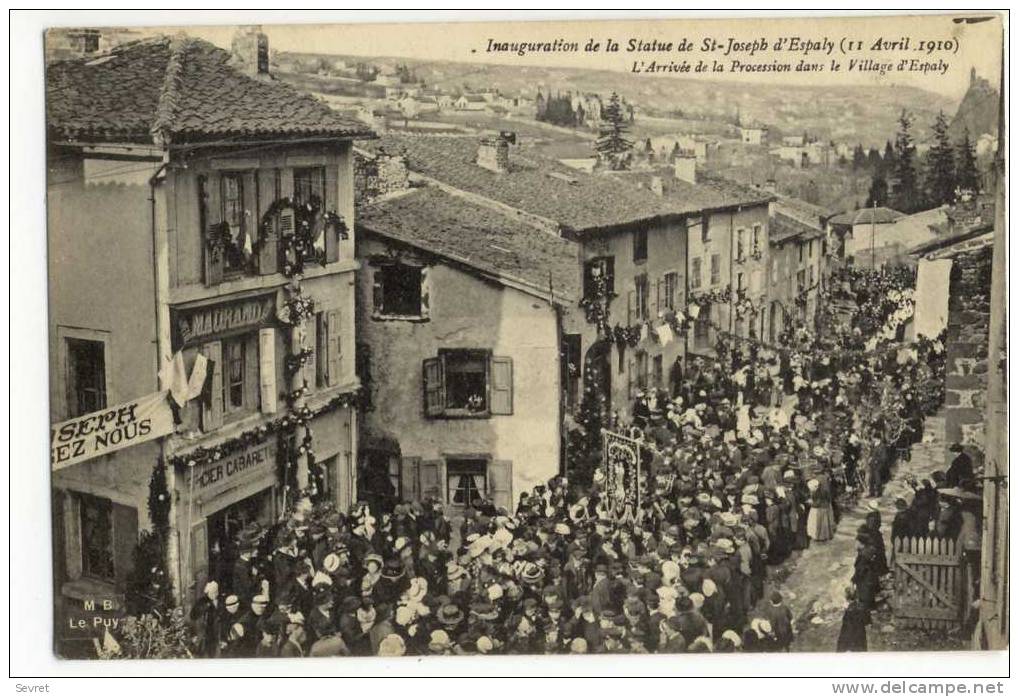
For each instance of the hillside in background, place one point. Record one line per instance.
(865, 114)
(978, 111)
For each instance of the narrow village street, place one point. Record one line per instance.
(813, 582)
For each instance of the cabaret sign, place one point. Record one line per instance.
(226, 473)
(196, 324)
(108, 430)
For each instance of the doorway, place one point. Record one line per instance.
(224, 533)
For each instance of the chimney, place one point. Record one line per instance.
(493, 153)
(656, 186)
(685, 168)
(250, 52)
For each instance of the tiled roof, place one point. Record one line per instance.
(181, 90)
(480, 237)
(709, 193)
(866, 216)
(782, 228)
(802, 210)
(576, 201)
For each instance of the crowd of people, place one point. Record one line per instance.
(749, 461)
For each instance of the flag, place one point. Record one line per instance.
(173, 377)
(199, 375)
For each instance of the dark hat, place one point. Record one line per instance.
(350, 603)
(485, 611)
(449, 614)
(955, 447)
(776, 597)
(393, 569)
(901, 504)
(684, 603)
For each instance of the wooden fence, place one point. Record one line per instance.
(929, 582)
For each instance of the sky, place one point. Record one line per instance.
(970, 45)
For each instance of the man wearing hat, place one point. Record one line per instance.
(250, 620)
(206, 621)
(781, 619)
(960, 472)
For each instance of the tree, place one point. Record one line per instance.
(874, 161)
(612, 143)
(966, 174)
(878, 195)
(889, 156)
(905, 196)
(940, 175)
(859, 157)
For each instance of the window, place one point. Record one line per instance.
(716, 269)
(571, 369)
(671, 283)
(657, 370)
(810, 249)
(640, 246)
(640, 367)
(810, 277)
(602, 267)
(740, 249)
(234, 351)
(740, 286)
(86, 376)
(468, 383)
(702, 328)
(232, 197)
(757, 239)
(705, 230)
(695, 272)
(640, 286)
(466, 481)
(801, 281)
(96, 536)
(398, 290)
(310, 185)
(801, 251)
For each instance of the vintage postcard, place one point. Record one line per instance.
(551, 338)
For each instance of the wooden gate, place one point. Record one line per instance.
(928, 582)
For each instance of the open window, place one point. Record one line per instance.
(400, 291)
(467, 383)
(599, 268)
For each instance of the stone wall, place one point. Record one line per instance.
(378, 174)
(969, 313)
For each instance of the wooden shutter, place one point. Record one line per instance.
(58, 536)
(267, 369)
(252, 398)
(409, 475)
(502, 385)
(658, 296)
(432, 485)
(426, 293)
(333, 347)
(329, 205)
(212, 409)
(630, 306)
(125, 539)
(434, 387)
(209, 196)
(72, 536)
(199, 558)
(500, 484)
(631, 388)
(610, 274)
(268, 252)
(378, 297)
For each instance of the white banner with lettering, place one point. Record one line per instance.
(109, 430)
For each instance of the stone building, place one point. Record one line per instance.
(460, 312)
(179, 181)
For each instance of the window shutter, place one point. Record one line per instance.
(610, 273)
(432, 485)
(267, 369)
(409, 474)
(212, 409)
(630, 386)
(59, 535)
(501, 401)
(333, 348)
(72, 536)
(210, 199)
(329, 205)
(426, 293)
(268, 252)
(500, 484)
(125, 539)
(630, 307)
(658, 296)
(435, 393)
(378, 298)
(199, 558)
